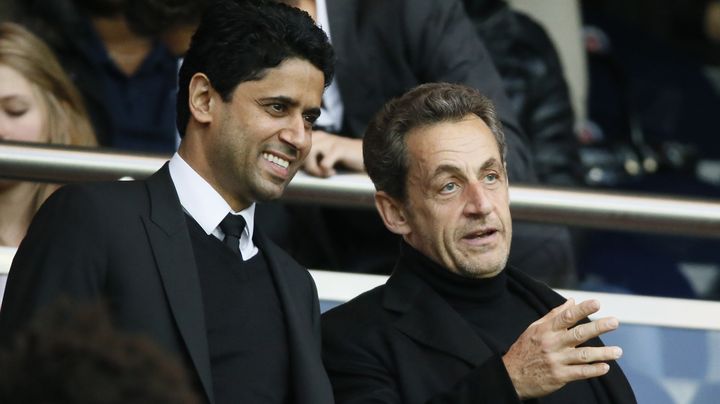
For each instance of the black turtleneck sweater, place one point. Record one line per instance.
(499, 310)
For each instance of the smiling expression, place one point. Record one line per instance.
(258, 140)
(457, 205)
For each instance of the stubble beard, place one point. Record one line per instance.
(477, 268)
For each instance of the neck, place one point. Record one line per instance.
(190, 151)
(17, 207)
(126, 49)
(455, 288)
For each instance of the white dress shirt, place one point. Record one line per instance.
(204, 204)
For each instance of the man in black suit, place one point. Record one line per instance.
(384, 48)
(454, 324)
(178, 257)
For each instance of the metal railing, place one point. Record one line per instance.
(669, 215)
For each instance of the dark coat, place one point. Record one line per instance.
(128, 244)
(533, 79)
(403, 343)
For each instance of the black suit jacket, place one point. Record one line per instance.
(403, 343)
(128, 243)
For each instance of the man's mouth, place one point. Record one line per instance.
(480, 234)
(276, 160)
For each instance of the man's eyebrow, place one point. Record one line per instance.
(314, 111)
(281, 99)
(445, 169)
(492, 162)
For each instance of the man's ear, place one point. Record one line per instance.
(393, 213)
(200, 98)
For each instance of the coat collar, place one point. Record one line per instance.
(172, 249)
(429, 319)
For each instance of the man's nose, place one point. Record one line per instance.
(297, 133)
(477, 199)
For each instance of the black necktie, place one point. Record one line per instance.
(233, 226)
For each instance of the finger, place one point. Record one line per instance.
(311, 164)
(328, 161)
(572, 315)
(556, 311)
(590, 354)
(581, 372)
(568, 303)
(583, 332)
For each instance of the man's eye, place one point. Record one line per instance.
(449, 188)
(310, 118)
(277, 108)
(491, 178)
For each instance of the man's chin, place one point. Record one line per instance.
(269, 191)
(490, 267)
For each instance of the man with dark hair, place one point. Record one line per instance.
(179, 257)
(453, 324)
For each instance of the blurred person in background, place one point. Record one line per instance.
(533, 79)
(70, 353)
(123, 56)
(38, 103)
(652, 102)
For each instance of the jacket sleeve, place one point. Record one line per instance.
(450, 51)
(60, 256)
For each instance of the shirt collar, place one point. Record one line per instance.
(201, 201)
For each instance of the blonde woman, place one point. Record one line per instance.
(38, 103)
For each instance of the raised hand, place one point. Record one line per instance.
(546, 357)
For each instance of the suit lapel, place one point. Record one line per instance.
(430, 320)
(172, 248)
(308, 378)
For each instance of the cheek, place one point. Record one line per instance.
(437, 226)
(29, 128)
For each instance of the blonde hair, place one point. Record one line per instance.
(66, 120)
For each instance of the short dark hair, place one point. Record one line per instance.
(385, 145)
(237, 40)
